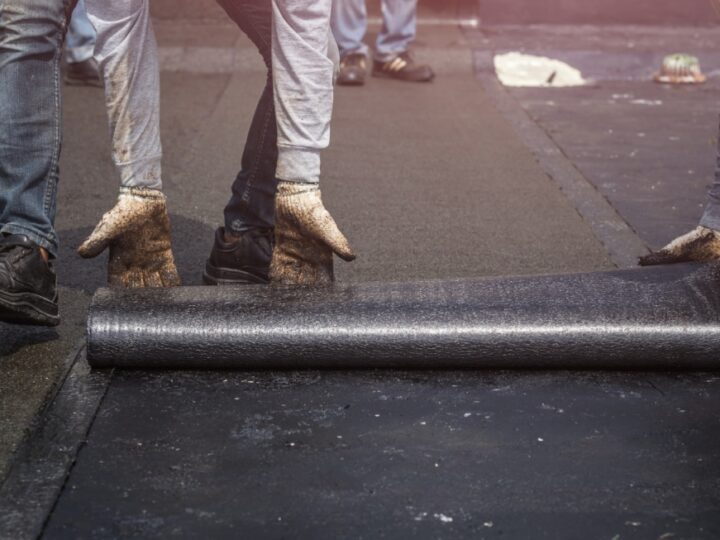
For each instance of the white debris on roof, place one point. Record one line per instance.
(517, 69)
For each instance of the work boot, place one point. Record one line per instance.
(353, 68)
(306, 237)
(136, 231)
(403, 68)
(84, 73)
(701, 245)
(239, 258)
(28, 285)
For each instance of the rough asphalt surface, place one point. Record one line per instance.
(427, 181)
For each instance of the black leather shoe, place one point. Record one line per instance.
(403, 68)
(84, 73)
(244, 260)
(353, 69)
(28, 285)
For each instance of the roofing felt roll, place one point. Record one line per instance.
(646, 318)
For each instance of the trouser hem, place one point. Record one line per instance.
(388, 56)
(47, 242)
(711, 217)
(146, 173)
(298, 164)
(359, 49)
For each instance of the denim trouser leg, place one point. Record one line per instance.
(31, 39)
(252, 203)
(711, 217)
(398, 29)
(349, 24)
(80, 39)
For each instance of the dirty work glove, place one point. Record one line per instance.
(306, 237)
(700, 244)
(137, 233)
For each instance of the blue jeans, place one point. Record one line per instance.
(349, 24)
(31, 40)
(711, 217)
(80, 40)
(252, 203)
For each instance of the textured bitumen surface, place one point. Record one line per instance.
(428, 181)
(658, 317)
(398, 455)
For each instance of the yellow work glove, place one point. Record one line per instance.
(306, 236)
(137, 233)
(701, 244)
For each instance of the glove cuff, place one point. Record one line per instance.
(288, 188)
(142, 193)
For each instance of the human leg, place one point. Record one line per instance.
(80, 67)
(31, 39)
(80, 40)
(398, 29)
(349, 24)
(392, 58)
(253, 191)
(243, 247)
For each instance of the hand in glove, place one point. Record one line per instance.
(701, 244)
(306, 237)
(137, 233)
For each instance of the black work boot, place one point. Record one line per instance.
(353, 68)
(239, 259)
(28, 285)
(403, 68)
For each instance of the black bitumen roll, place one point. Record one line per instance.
(657, 317)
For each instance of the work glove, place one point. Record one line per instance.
(137, 232)
(701, 244)
(306, 237)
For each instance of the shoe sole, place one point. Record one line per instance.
(28, 308)
(383, 75)
(230, 276)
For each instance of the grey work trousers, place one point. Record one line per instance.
(126, 52)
